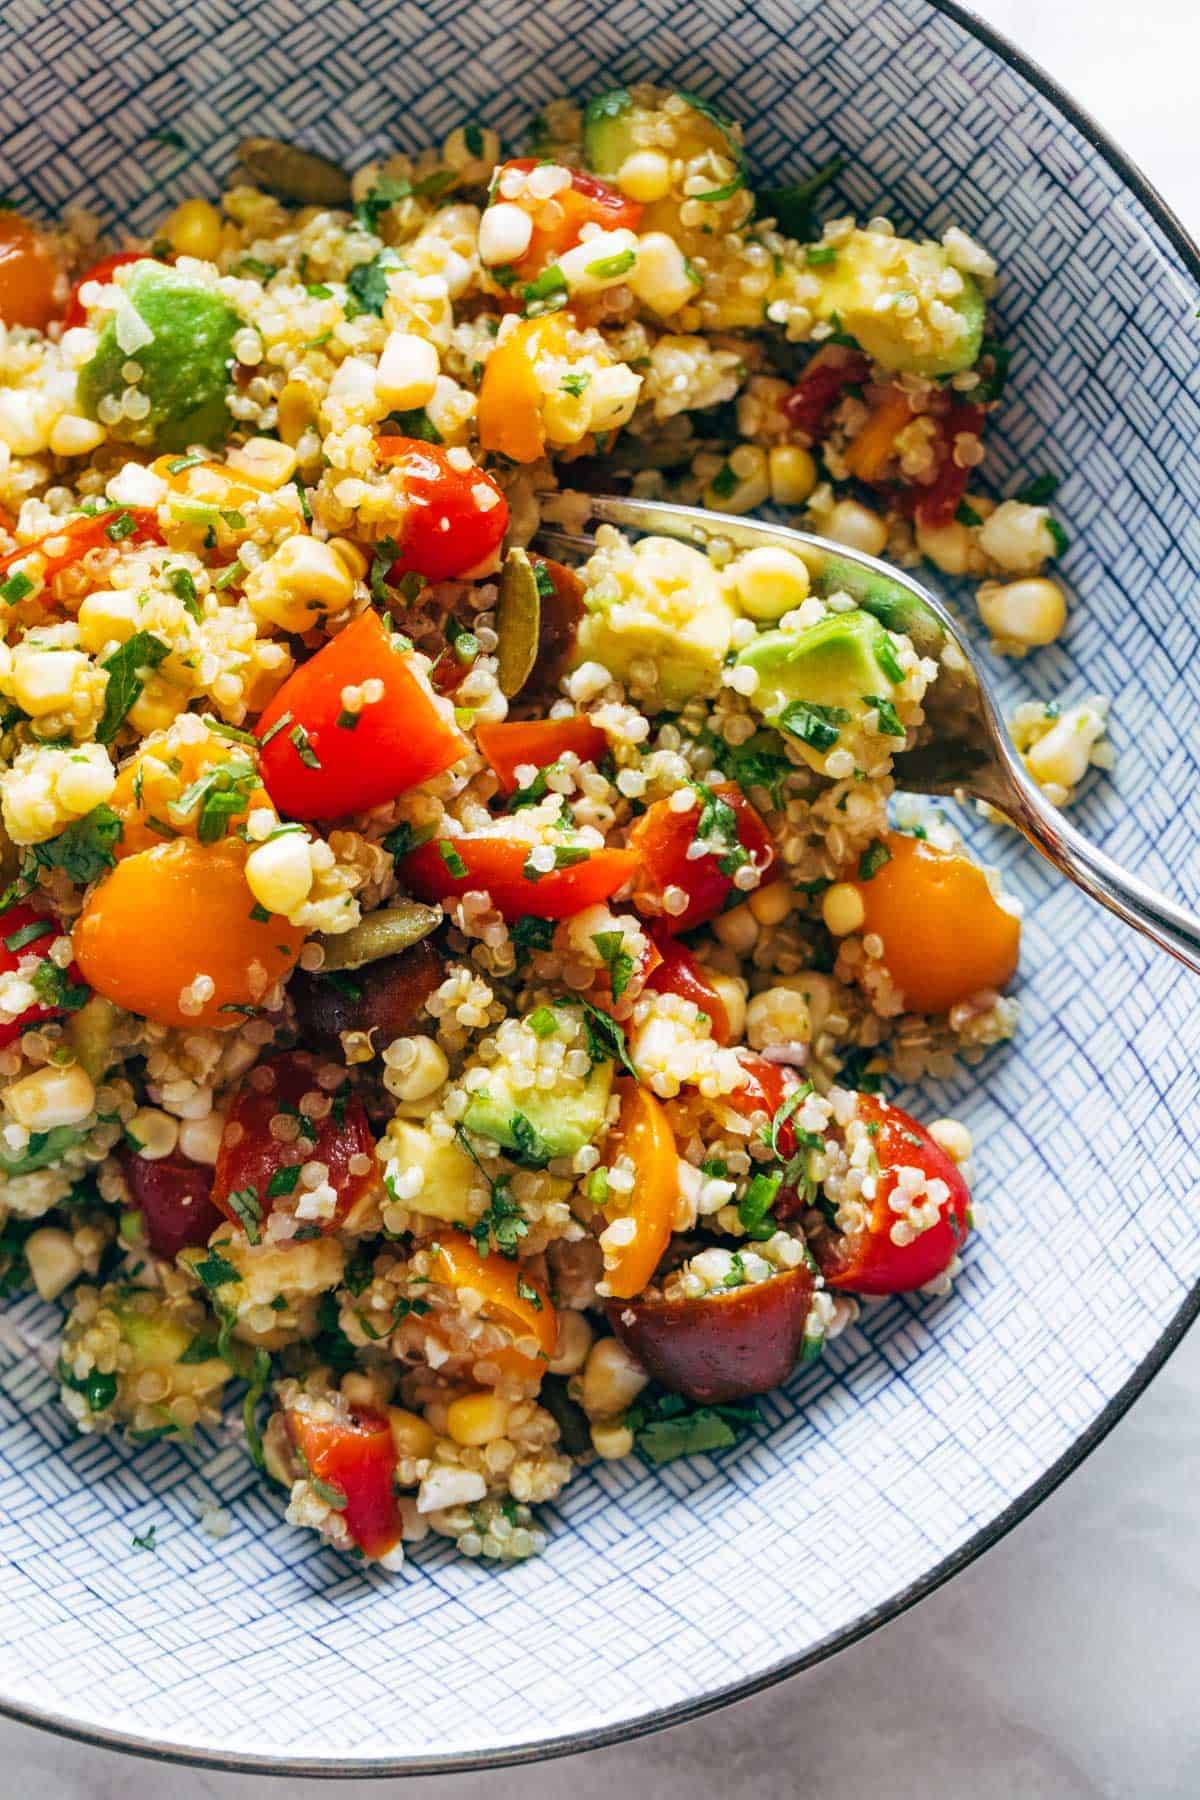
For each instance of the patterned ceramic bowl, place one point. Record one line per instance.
(929, 1429)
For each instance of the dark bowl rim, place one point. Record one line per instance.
(602, 1736)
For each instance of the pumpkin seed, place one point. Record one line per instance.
(383, 933)
(518, 623)
(294, 174)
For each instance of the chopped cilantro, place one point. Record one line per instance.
(84, 850)
(575, 384)
(386, 192)
(889, 718)
(543, 1021)
(605, 1039)
(144, 1540)
(124, 668)
(213, 1271)
(873, 858)
(415, 423)
(454, 863)
(724, 482)
(816, 726)
(616, 959)
(16, 587)
(1038, 491)
(754, 1207)
(304, 750)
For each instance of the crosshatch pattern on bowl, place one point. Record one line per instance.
(928, 1419)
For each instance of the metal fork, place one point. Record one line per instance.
(967, 751)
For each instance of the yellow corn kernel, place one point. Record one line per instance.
(771, 904)
(84, 782)
(1026, 614)
(266, 460)
(304, 580)
(156, 707)
(279, 873)
(663, 279)
(51, 1097)
(611, 1440)
(857, 526)
(792, 473)
(153, 1132)
(296, 412)
(646, 176)
(842, 909)
(742, 484)
(411, 1434)
(352, 556)
(73, 436)
(476, 1419)
(108, 615)
(732, 994)
(194, 229)
(53, 1261)
(612, 1379)
(769, 582)
(43, 680)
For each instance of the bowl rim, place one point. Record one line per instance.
(680, 1712)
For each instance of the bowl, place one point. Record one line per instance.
(933, 1425)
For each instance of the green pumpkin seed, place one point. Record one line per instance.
(294, 174)
(383, 933)
(518, 623)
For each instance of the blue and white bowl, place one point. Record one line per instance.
(931, 1427)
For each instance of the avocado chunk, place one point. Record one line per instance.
(184, 364)
(818, 685)
(608, 131)
(448, 1174)
(870, 273)
(658, 620)
(536, 1124)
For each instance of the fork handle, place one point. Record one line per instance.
(1171, 926)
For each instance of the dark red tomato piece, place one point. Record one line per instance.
(262, 1169)
(387, 997)
(174, 1197)
(30, 277)
(445, 868)
(356, 1457)
(25, 932)
(456, 517)
(872, 1260)
(937, 502)
(833, 369)
(588, 201)
(102, 272)
(724, 1347)
(69, 542)
(678, 972)
(661, 838)
(562, 610)
(536, 743)
(320, 762)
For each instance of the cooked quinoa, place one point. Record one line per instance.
(445, 992)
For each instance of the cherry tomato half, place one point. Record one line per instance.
(444, 868)
(871, 1260)
(354, 1454)
(30, 277)
(725, 1346)
(174, 1197)
(643, 1133)
(678, 972)
(320, 762)
(102, 272)
(520, 743)
(328, 1127)
(68, 543)
(660, 839)
(831, 371)
(456, 518)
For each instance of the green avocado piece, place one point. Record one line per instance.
(861, 284)
(540, 1123)
(818, 684)
(185, 366)
(607, 131)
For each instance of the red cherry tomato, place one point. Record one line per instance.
(252, 1157)
(174, 1197)
(518, 743)
(29, 274)
(68, 543)
(317, 765)
(102, 272)
(661, 838)
(678, 972)
(356, 1456)
(456, 519)
(15, 948)
(724, 1347)
(832, 370)
(497, 866)
(870, 1261)
(588, 201)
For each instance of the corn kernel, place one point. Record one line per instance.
(351, 555)
(770, 582)
(84, 782)
(194, 229)
(612, 395)
(612, 1379)
(407, 372)
(266, 460)
(279, 873)
(54, 1262)
(200, 1139)
(771, 904)
(1024, 613)
(662, 279)
(857, 526)
(157, 706)
(155, 1133)
(611, 1440)
(73, 436)
(42, 680)
(303, 580)
(412, 1435)
(779, 1015)
(109, 615)
(296, 412)
(792, 473)
(750, 487)
(645, 176)
(732, 994)
(477, 1418)
(599, 262)
(505, 231)
(51, 1097)
(842, 909)
(952, 1137)
(425, 1069)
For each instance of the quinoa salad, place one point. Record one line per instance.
(448, 998)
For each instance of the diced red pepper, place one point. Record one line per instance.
(833, 369)
(355, 1457)
(660, 839)
(257, 1167)
(15, 946)
(174, 1197)
(519, 743)
(497, 865)
(871, 1260)
(320, 762)
(678, 972)
(456, 518)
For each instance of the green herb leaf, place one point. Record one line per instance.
(247, 1209)
(754, 1207)
(455, 865)
(125, 668)
(386, 192)
(607, 268)
(606, 1041)
(617, 960)
(415, 423)
(144, 1540)
(792, 206)
(1038, 491)
(889, 718)
(29, 934)
(298, 737)
(213, 1271)
(816, 726)
(84, 850)
(873, 859)
(367, 285)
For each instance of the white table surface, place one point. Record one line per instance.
(1061, 1666)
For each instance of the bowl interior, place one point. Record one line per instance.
(923, 1424)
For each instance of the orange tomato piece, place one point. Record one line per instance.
(644, 1134)
(661, 839)
(501, 1283)
(164, 916)
(509, 415)
(150, 785)
(588, 201)
(519, 743)
(868, 455)
(30, 276)
(354, 1454)
(945, 935)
